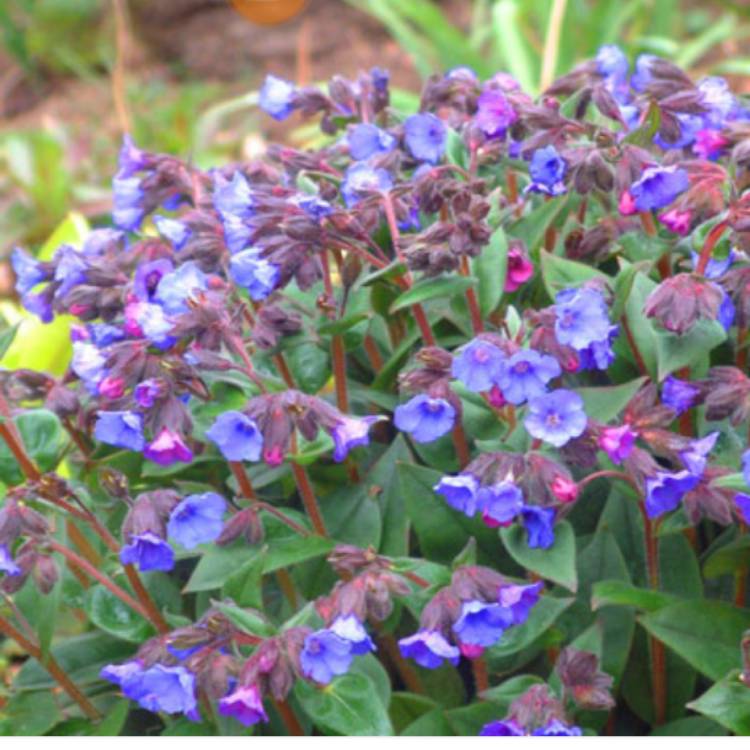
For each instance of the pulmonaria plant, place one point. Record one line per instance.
(360, 439)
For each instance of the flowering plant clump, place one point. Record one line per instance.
(441, 428)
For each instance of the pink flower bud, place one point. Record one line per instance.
(676, 221)
(564, 489)
(626, 205)
(112, 388)
(470, 651)
(273, 456)
(496, 398)
(520, 269)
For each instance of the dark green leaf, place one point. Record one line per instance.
(490, 268)
(560, 273)
(728, 703)
(245, 586)
(675, 352)
(111, 615)
(42, 436)
(428, 289)
(621, 593)
(247, 620)
(606, 402)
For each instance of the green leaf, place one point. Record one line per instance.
(517, 56)
(348, 706)
(641, 328)
(606, 402)
(542, 617)
(507, 691)
(428, 289)
(728, 703)
(42, 436)
(7, 337)
(731, 481)
(431, 724)
(490, 267)
(729, 558)
(248, 620)
(532, 226)
(690, 726)
(32, 714)
(245, 586)
(561, 273)
(557, 564)
(621, 593)
(112, 616)
(674, 352)
(705, 633)
(309, 365)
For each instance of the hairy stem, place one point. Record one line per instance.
(708, 246)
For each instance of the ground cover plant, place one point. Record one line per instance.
(440, 428)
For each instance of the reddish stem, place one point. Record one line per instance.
(291, 722)
(308, 498)
(243, 480)
(471, 299)
(460, 444)
(408, 674)
(633, 346)
(711, 239)
(50, 664)
(481, 678)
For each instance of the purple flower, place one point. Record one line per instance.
(500, 502)
(146, 393)
(611, 62)
(501, 728)
(547, 171)
(350, 432)
(741, 502)
(147, 277)
(482, 624)
(351, 629)
(131, 159)
(366, 140)
(103, 334)
(727, 310)
(361, 179)
(678, 394)
(599, 355)
(425, 137)
(717, 97)
(127, 197)
(539, 524)
(617, 442)
(7, 564)
(276, 97)
(39, 304)
(478, 365)
(237, 436)
(556, 417)
(555, 728)
(89, 364)
(658, 187)
(173, 230)
(28, 270)
(148, 552)
(257, 275)
(664, 491)
(312, 205)
(642, 75)
(695, 457)
(233, 198)
(526, 374)
(495, 114)
(520, 600)
(121, 673)
(160, 688)
(70, 269)
(428, 648)
(168, 447)
(177, 287)
(460, 492)
(245, 705)
(424, 418)
(121, 428)
(325, 655)
(581, 317)
(198, 519)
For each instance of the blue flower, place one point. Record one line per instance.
(556, 417)
(148, 552)
(719, 100)
(695, 457)
(495, 114)
(665, 491)
(727, 310)
(716, 266)
(366, 140)
(89, 364)
(7, 564)
(28, 270)
(611, 62)
(127, 197)
(361, 179)
(276, 97)
(312, 205)
(429, 649)
(547, 171)
(478, 365)
(147, 278)
(526, 374)
(147, 392)
(198, 519)
(460, 492)
(173, 230)
(237, 436)
(103, 334)
(642, 75)
(70, 269)
(501, 728)
(555, 728)
(245, 705)
(350, 432)
(679, 395)
(424, 418)
(581, 317)
(177, 287)
(161, 688)
(325, 655)
(742, 503)
(539, 524)
(658, 187)
(256, 275)
(131, 159)
(121, 428)
(121, 673)
(501, 502)
(425, 137)
(233, 197)
(599, 355)
(520, 600)
(39, 304)
(150, 321)
(482, 624)
(351, 629)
